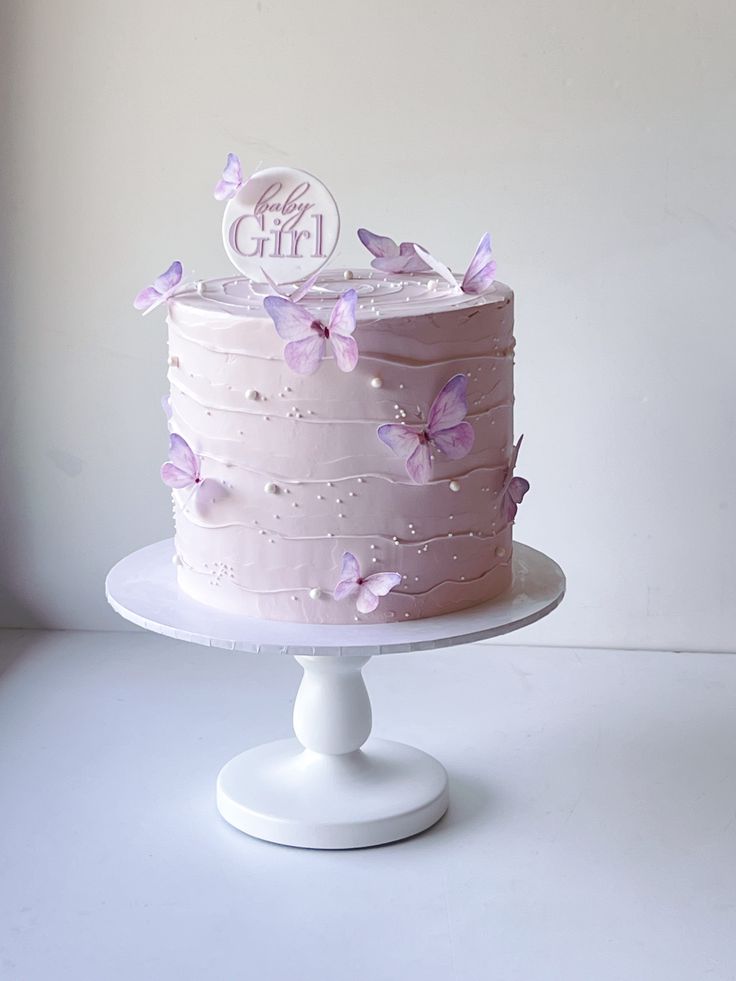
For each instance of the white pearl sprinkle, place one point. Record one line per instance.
(271, 488)
(455, 486)
(500, 551)
(176, 560)
(315, 593)
(173, 361)
(376, 382)
(252, 394)
(373, 546)
(347, 274)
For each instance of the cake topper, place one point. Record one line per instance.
(280, 225)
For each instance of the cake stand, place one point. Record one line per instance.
(332, 786)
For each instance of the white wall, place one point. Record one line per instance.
(595, 139)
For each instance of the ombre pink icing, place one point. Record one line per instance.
(302, 475)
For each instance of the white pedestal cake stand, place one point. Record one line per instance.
(332, 786)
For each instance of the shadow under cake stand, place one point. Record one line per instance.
(331, 786)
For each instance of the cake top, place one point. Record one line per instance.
(379, 294)
(280, 228)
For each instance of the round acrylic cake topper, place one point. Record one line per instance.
(281, 221)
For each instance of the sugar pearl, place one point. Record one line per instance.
(455, 486)
(173, 361)
(315, 593)
(376, 382)
(252, 394)
(500, 551)
(271, 488)
(347, 274)
(175, 559)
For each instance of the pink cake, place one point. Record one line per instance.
(301, 498)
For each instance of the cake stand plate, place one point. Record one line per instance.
(332, 786)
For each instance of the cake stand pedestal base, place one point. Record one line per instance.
(322, 790)
(332, 786)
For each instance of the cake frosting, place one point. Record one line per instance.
(293, 473)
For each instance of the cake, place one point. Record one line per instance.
(341, 440)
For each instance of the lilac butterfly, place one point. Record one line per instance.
(183, 468)
(308, 336)
(391, 257)
(232, 179)
(365, 590)
(445, 431)
(479, 274)
(161, 290)
(299, 293)
(514, 488)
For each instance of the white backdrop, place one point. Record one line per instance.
(595, 140)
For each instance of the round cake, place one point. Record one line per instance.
(314, 494)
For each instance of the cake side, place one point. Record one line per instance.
(294, 474)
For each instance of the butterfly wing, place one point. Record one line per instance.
(450, 405)
(455, 442)
(173, 476)
(392, 263)
(166, 405)
(419, 464)
(512, 497)
(515, 455)
(382, 582)
(304, 356)
(182, 456)
(349, 576)
(291, 321)
(401, 439)
(439, 267)
(381, 246)
(366, 601)
(342, 318)
(146, 298)
(482, 268)
(168, 280)
(345, 350)
(304, 288)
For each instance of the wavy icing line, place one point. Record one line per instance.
(400, 591)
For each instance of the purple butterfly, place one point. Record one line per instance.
(183, 468)
(445, 431)
(514, 488)
(366, 591)
(391, 257)
(161, 290)
(299, 293)
(232, 179)
(479, 274)
(308, 336)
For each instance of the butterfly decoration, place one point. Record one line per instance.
(183, 468)
(514, 488)
(162, 289)
(296, 294)
(166, 405)
(479, 274)
(308, 336)
(232, 179)
(445, 430)
(390, 257)
(366, 591)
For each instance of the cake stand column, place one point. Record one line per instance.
(332, 712)
(332, 786)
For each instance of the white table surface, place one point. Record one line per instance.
(591, 834)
